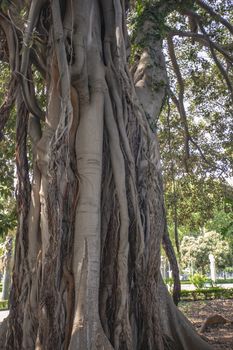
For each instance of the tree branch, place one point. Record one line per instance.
(215, 15)
(212, 165)
(180, 101)
(216, 60)
(7, 27)
(201, 38)
(29, 97)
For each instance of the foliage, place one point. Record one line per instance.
(8, 215)
(218, 281)
(196, 250)
(228, 269)
(194, 177)
(169, 282)
(145, 10)
(222, 222)
(198, 280)
(3, 304)
(204, 294)
(197, 200)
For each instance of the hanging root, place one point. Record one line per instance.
(29, 97)
(118, 167)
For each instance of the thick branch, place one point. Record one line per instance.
(10, 37)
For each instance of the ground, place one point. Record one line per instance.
(221, 335)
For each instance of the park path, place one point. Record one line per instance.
(3, 314)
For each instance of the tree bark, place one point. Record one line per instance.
(87, 261)
(167, 246)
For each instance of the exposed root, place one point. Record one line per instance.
(213, 320)
(176, 326)
(118, 166)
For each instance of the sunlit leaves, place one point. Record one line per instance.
(195, 251)
(197, 196)
(7, 164)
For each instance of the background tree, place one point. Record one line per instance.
(8, 217)
(195, 139)
(91, 220)
(195, 252)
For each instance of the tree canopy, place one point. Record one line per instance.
(195, 252)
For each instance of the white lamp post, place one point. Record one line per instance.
(212, 267)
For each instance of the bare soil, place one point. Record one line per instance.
(221, 335)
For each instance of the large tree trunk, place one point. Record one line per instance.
(87, 261)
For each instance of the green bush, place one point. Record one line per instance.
(198, 280)
(206, 293)
(229, 280)
(208, 280)
(3, 304)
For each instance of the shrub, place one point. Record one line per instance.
(205, 294)
(3, 304)
(208, 280)
(198, 280)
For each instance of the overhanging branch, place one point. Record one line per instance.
(180, 101)
(203, 40)
(217, 61)
(215, 15)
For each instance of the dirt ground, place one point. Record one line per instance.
(221, 335)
